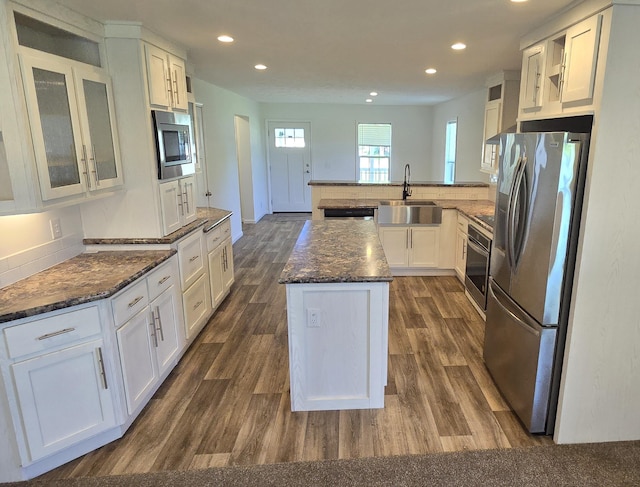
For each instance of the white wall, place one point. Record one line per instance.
(27, 247)
(333, 136)
(220, 107)
(600, 390)
(469, 111)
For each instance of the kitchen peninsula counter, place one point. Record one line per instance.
(82, 279)
(434, 184)
(337, 281)
(470, 208)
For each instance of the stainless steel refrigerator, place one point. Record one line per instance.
(538, 203)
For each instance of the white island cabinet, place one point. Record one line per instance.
(338, 315)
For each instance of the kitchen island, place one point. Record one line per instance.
(337, 281)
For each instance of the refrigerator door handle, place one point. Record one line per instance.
(511, 213)
(521, 209)
(512, 310)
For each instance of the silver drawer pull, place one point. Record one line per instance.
(164, 279)
(135, 301)
(197, 305)
(193, 258)
(56, 333)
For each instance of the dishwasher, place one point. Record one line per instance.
(349, 213)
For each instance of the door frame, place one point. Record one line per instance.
(268, 151)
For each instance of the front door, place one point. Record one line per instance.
(290, 161)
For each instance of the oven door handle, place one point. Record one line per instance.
(481, 250)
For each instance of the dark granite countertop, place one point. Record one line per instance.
(208, 218)
(469, 184)
(337, 251)
(471, 208)
(81, 279)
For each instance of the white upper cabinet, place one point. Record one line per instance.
(166, 76)
(559, 73)
(581, 52)
(500, 113)
(72, 126)
(531, 78)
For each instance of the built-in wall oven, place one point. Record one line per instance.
(476, 278)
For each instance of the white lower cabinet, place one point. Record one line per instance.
(57, 377)
(150, 342)
(410, 246)
(64, 397)
(221, 275)
(461, 247)
(137, 359)
(197, 306)
(177, 199)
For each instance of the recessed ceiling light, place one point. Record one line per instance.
(260, 67)
(225, 38)
(431, 70)
(374, 93)
(459, 46)
(369, 100)
(518, 1)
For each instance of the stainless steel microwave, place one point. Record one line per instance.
(173, 144)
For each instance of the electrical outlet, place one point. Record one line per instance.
(313, 318)
(56, 229)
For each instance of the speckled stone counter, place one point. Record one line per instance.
(471, 208)
(207, 218)
(337, 286)
(337, 251)
(81, 279)
(439, 184)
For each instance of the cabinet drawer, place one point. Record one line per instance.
(218, 235)
(195, 301)
(161, 279)
(191, 259)
(129, 302)
(54, 331)
(463, 223)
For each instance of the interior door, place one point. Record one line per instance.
(290, 161)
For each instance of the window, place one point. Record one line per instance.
(450, 152)
(289, 138)
(374, 152)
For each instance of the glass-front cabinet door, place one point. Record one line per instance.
(95, 102)
(55, 128)
(72, 125)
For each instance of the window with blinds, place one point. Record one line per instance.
(374, 152)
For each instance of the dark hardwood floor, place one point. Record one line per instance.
(227, 402)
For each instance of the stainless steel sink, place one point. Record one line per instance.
(408, 203)
(409, 212)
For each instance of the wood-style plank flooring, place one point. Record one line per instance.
(227, 402)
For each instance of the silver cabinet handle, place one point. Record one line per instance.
(86, 165)
(180, 203)
(135, 301)
(175, 84)
(103, 373)
(164, 279)
(153, 330)
(197, 305)
(55, 333)
(168, 79)
(158, 319)
(95, 165)
(193, 258)
(186, 200)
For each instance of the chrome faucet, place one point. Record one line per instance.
(406, 187)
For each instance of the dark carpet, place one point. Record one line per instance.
(600, 464)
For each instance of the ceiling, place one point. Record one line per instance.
(337, 51)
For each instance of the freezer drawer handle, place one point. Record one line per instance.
(517, 319)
